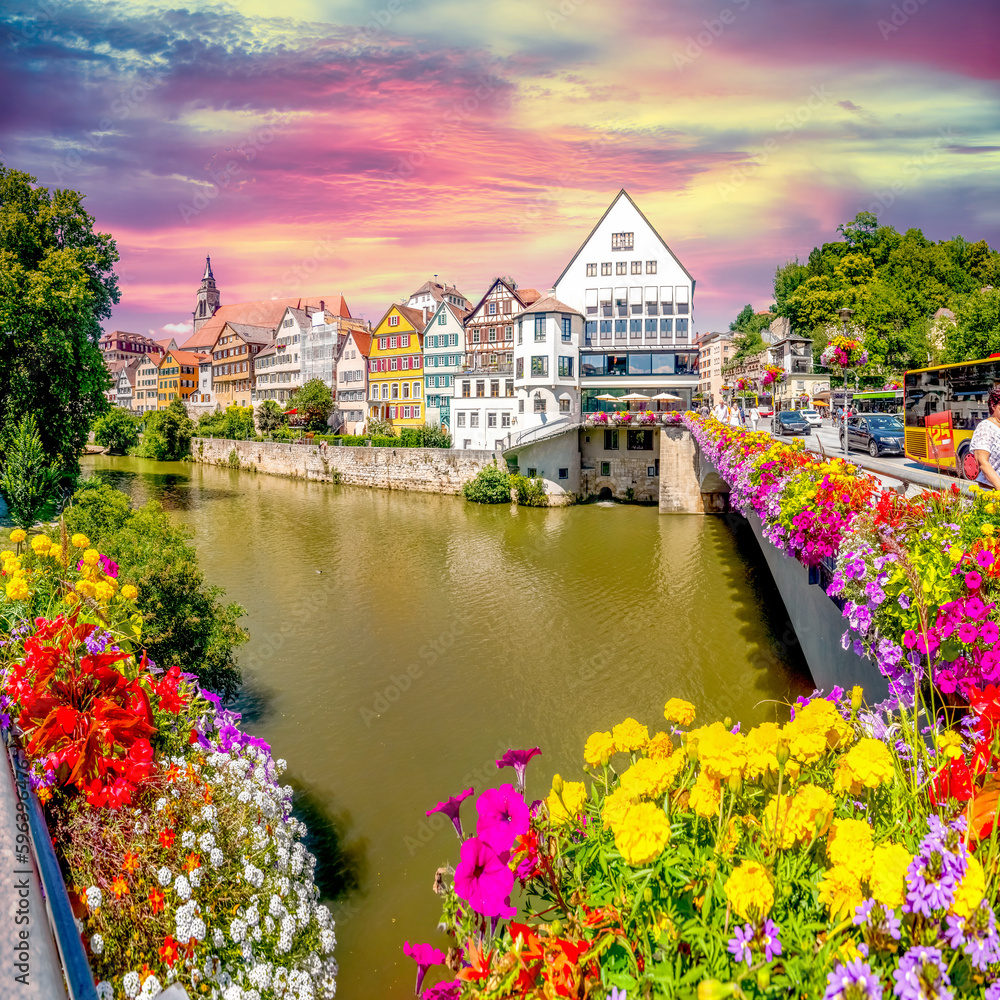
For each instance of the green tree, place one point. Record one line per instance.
(380, 428)
(315, 402)
(186, 621)
(28, 480)
(746, 346)
(57, 283)
(239, 422)
(490, 485)
(168, 433)
(117, 430)
(270, 416)
(976, 333)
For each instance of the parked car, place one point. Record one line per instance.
(877, 433)
(790, 422)
(813, 416)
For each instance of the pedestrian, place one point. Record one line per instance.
(743, 416)
(754, 416)
(986, 442)
(734, 416)
(721, 413)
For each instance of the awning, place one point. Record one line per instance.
(290, 413)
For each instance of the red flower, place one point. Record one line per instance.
(119, 887)
(156, 899)
(192, 861)
(130, 863)
(952, 782)
(168, 950)
(167, 838)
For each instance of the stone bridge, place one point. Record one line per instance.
(689, 484)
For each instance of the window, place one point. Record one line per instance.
(492, 334)
(590, 328)
(540, 328)
(651, 326)
(520, 331)
(539, 404)
(611, 440)
(395, 390)
(406, 413)
(567, 329)
(666, 327)
(460, 420)
(606, 329)
(564, 473)
(519, 368)
(393, 364)
(520, 406)
(416, 412)
(475, 336)
(466, 389)
(605, 468)
(491, 308)
(640, 440)
(591, 270)
(474, 419)
(606, 267)
(621, 267)
(637, 267)
(682, 327)
(565, 367)
(393, 321)
(650, 267)
(404, 363)
(622, 241)
(442, 319)
(620, 328)
(505, 420)
(539, 366)
(565, 406)
(454, 340)
(508, 388)
(416, 390)
(491, 420)
(416, 361)
(508, 333)
(406, 390)
(480, 388)
(635, 328)
(494, 387)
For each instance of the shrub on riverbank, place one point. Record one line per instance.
(530, 491)
(186, 621)
(489, 485)
(117, 430)
(813, 858)
(183, 860)
(167, 434)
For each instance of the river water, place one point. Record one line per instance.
(402, 641)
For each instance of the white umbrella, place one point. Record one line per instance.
(608, 397)
(635, 397)
(667, 397)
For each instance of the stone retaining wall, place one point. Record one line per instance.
(424, 470)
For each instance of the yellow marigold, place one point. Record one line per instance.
(614, 807)
(642, 834)
(706, 795)
(970, 891)
(949, 744)
(102, 592)
(810, 813)
(679, 711)
(888, 877)
(866, 765)
(761, 753)
(41, 544)
(777, 822)
(749, 891)
(650, 778)
(660, 746)
(80, 541)
(564, 806)
(599, 749)
(56, 553)
(11, 566)
(71, 598)
(17, 589)
(816, 728)
(630, 735)
(720, 752)
(840, 890)
(91, 557)
(129, 592)
(6, 554)
(850, 844)
(18, 535)
(85, 587)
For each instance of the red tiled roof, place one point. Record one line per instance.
(187, 357)
(363, 340)
(266, 314)
(549, 304)
(528, 295)
(414, 316)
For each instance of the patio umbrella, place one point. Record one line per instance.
(608, 397)
(667, 397)
(635, 397)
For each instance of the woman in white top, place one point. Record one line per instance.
(986, 442)
(754, 417)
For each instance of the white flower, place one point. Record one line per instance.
(280, 765)
(150, 987)
(161, 804)
(194, 877)
(94, 897)
(208, 814)
(269, 924)
(327, 940)
(206, 841)
(187, 839)
(164, 876)
(257, 933)
(105, 991)
(234, 992)
(260, 976)
(244, 796)
(218, 938)
(130, 984)
(216, 857)
(253, 875)
(198, 929)
(97, 944)
(238, 930)
(79, 925)
(182, 887)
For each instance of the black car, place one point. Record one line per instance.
(876, 433)
(790, 422)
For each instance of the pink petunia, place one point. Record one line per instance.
(425, 956)
(973, 580)
(989, 632)
(503, 816)
(483, 880)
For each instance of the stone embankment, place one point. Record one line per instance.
(424, 470)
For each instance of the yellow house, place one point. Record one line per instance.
(396, 368)
(177, 377)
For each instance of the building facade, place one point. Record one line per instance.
(147, 381)
(395, 368)
(714, 352)
(233, 370)
(178, 377)
(118, 345)
(351, 411)
(125, 388)
(432, 293)
(637, 300)
(489, 327)
(444, 360)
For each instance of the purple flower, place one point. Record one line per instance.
(855, 980)
(769, 938)
(425, 956)
(989, 632)
(993, 990)
(922, 976)
(904, 601)
(97, 641)
(110, 567)
(503, 817)
(617, 994)
(978, 935)
(518, 759)
(935, 871)
(443, 991)
(450, 807)
(878, 919)
(739, 945)
(483, 880)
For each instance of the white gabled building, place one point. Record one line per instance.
(351, 412)
(637, 301)
(444, 359)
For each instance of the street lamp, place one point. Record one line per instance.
(845, 314)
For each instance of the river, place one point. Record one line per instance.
(401, 641)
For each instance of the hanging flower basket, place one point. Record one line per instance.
(844, 352)
(745, 385)
(646, 418)
(773, 375)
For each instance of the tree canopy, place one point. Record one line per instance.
(314, 401)
(57, 282)
(895, 283)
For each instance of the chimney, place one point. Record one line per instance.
(322, 306)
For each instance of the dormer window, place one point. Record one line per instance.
(622, 241)
(393, 321)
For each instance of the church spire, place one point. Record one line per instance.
(208, 270)
(208, 299)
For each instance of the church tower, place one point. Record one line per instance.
(208, 297)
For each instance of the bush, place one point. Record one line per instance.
(186, 622)
(211, 425)
(489, 485)
(380, 428)
(530, 492)
(239, 422)
(117, 430)
(168, 433)
(28, 481)
(314, 402)
(428, 436)
(270, 416)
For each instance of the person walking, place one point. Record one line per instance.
(986, 442)
(754, 416)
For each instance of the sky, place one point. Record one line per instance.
(361, 146)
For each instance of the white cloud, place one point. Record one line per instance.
(176, 328)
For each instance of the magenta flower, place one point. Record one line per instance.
(968, 632)
(973, 580)
(425, 956)
(483, 880)
(989, 632)
(443, 991)
(450, 807)
(518, 759)
(984, 558)
(503, 816)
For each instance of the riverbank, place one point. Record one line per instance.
(421, 470)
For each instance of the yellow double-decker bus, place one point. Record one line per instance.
(941, 408)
